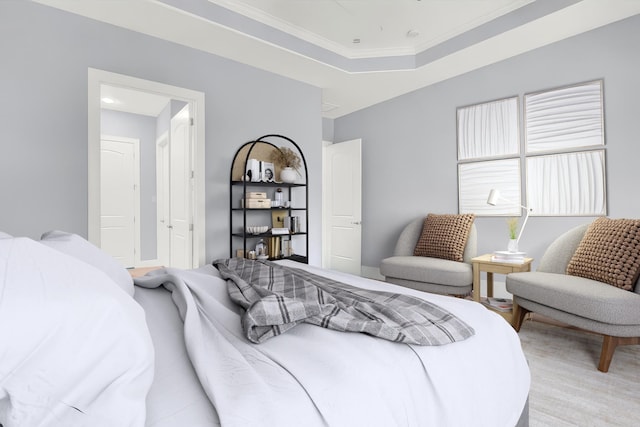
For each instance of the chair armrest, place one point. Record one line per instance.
(409, 238)
(557, 256)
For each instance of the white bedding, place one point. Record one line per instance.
(76, 350)
(74, 347)
(176, 398)
(314, 376)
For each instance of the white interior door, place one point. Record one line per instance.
(180, 190)
(120, 178)
(342, 199)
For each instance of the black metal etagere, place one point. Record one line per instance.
(243, 154)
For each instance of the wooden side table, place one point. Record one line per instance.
(486, 264)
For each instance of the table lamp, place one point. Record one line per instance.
(494, 198)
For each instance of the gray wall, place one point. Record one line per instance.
(43, 138)
(409, 143)
(327, 129)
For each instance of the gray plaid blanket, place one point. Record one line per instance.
(277, 298)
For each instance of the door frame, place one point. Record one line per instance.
(96, 78)
(324, 262)
(162, 193)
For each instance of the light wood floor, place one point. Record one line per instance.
(568, 390)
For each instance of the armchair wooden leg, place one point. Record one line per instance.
(518, 316)
(609, 345)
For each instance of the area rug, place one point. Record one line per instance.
(568, 390)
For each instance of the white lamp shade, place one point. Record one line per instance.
(494, 195)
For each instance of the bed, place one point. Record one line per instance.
(80, 345)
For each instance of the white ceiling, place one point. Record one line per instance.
(132, 101)
(403, 44)
(373, 28)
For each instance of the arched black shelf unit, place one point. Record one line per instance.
(241, 216)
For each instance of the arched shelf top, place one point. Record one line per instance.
(261, 149)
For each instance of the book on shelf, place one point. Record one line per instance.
(279, 230)
(500, 304)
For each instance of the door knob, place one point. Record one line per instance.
(356, 222)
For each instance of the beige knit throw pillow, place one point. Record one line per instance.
(609, 252)
(444, 236)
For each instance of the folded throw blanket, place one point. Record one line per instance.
(277, 298)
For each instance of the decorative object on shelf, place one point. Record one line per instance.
(274, 248)
(287, 174)
(257, 229)
(277, 218)
(267, 172)
(289, 163)
(292, 223)
(493, 199)
(261, 250)
(255, 200)
(278, 198)
(253, 170)
(255, 203)
(287, 248)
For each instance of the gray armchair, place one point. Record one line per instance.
(427, 274)
(584, 303)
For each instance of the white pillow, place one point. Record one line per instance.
(78, 247)
(76, 350)
(4, 235)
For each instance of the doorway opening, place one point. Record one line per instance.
(169, 224)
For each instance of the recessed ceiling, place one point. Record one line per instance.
(403, 44)
(373, 28)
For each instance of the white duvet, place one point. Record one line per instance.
(313, 376)
(74, 347)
